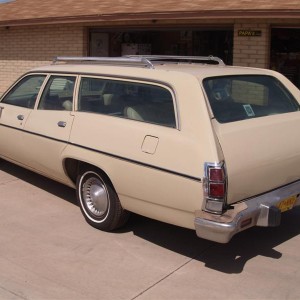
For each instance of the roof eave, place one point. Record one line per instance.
(188, 15)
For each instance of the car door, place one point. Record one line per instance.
(15, 108)
(49, 126)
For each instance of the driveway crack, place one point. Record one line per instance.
(170, 274)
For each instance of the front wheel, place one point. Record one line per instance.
(98, 201)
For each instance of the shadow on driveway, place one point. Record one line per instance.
(44, 183)
(227, 258)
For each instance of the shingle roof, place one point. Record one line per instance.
(47, 11)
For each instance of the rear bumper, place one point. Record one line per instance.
(258, 211)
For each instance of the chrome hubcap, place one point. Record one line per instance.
(95, 196)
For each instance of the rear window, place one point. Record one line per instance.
(235, 98)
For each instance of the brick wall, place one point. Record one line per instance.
(23, 48)
(251, 50)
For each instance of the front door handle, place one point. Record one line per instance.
(62, 124)
(20, 117)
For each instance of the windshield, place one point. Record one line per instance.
(240, 97)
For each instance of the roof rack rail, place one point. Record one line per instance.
(139, 60)
(194, 59)
(126, 61)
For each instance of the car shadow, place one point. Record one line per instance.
(51, 186)
(226, 258)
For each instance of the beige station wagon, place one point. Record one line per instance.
(184, 140)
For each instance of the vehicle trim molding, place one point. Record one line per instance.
(108, 154)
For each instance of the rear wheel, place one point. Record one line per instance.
(98, 201)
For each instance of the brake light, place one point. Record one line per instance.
(216, 174)
(216, 190)
(215, 185)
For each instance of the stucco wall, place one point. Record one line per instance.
(23, 48)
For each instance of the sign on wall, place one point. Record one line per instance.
(248, 33)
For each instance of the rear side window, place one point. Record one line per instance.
(235, 98)
(25, 92)
(132, 100)
(58, 93)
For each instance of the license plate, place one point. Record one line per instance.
(287, 203)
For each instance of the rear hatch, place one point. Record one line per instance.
(257, 122)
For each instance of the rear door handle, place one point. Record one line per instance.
(20, 117)
(1, 108)
(62, 124)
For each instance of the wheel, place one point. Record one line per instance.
(98, 201)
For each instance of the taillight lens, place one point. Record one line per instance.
(216, 174)
(216, 190)
(215, 185)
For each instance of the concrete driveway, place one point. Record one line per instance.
(48, 251)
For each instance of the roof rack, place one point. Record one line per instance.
(125, 61)
(174, 58)
(140, 60)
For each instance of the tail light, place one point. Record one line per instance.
(215, 186)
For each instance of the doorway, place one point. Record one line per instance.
(285, 53)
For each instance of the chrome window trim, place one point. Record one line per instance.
(144, 80)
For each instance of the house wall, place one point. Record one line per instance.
(252, 51)
(23, 48)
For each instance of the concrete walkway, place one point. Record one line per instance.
(48, 251)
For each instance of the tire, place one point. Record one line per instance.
(98, 201)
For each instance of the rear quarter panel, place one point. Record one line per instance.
(165, 185)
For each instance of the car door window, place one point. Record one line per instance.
(25, 92)
(58, 93)
(143, 102)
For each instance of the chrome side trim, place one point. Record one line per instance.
(129, 160)
(221, 228)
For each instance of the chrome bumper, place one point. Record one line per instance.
(258, 211)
